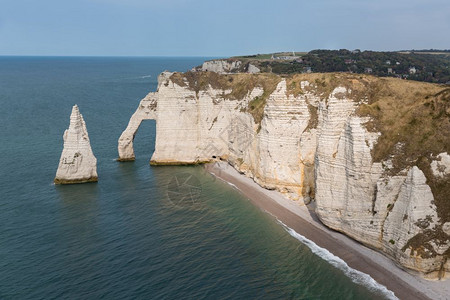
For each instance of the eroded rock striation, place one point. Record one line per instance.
(371, 152)
(77, 163)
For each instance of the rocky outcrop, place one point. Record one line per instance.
(77, 163)
(354, 197)
(410, 214)
(227, 66)
(315, 137)
(222, 66)
(441, 166)
(253, 69)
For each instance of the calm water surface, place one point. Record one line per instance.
(123, 238)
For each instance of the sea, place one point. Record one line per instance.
(141, 232)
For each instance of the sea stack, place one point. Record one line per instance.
(77, 163)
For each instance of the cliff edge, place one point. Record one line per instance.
(372, 152)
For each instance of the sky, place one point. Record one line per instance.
(218, 28)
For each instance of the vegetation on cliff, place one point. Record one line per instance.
(429, 65)
(414, 121)
(412, 117)
(237, 86)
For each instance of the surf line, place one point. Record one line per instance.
(356, 276)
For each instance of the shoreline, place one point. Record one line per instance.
(303, 220)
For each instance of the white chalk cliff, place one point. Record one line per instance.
(145, 111)
(77, 163)
(308, 145)
(221, 66)
(227, 66)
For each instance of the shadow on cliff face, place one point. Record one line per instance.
(312, 211)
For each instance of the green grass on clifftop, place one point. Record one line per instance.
(237, 85)
(412, 117)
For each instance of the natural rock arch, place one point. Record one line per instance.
(145, 111)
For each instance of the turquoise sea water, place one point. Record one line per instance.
(123, 237)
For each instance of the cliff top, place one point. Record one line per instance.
(412, 117)
(420, 65)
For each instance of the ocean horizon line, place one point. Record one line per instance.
(116, 56)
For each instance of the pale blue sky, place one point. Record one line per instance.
(218, 28)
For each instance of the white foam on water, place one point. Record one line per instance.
(355, 275)
(146, 76)
(232, 185)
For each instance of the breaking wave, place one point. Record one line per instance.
(355, 275)
(232, 185)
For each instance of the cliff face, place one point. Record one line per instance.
(227, 66)
(77, 163)
(221, 66)
(372, 152)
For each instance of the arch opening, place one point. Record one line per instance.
(145, 139)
